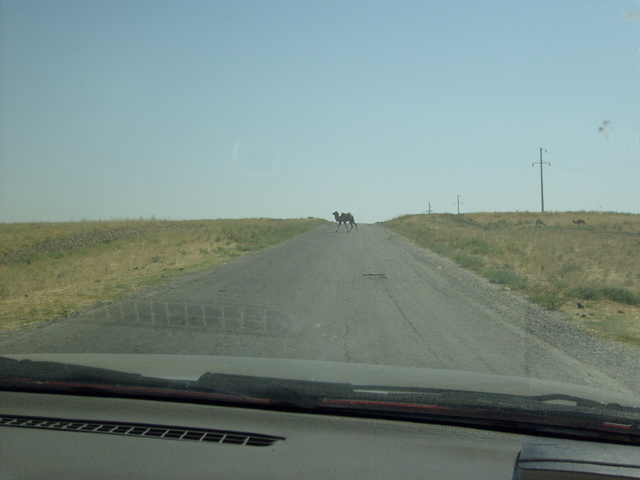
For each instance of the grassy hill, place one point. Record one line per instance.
(53, 269)
(558, 265)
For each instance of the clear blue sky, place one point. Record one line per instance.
(229, 109)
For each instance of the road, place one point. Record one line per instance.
(367, 297)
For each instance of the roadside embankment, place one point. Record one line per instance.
(585, 264)
(53, 269)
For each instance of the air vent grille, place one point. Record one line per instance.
(141, 430)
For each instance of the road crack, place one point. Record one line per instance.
(409, 322)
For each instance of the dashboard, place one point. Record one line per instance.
(59, 436)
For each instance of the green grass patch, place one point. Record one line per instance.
(549, 264)
(50, 268)
(584, 293)
(550, 299)
(620, 295)
(506, 276)
(615, 294)
(469, 261)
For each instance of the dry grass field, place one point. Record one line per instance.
(558, 265)
(53, 269)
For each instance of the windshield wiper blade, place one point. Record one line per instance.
(471, 397)
(56, 377)
(552, 414)
(295, 393)
(577, 401)
(541, 414)
(301, 393)
(70, 378)
(40, 371)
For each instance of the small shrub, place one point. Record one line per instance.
(615, 294)
(585, 293)
(506, 276)
(469, 261)
(620, 295)
(549, 299)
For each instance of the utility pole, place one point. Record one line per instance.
(541, 178)
(458, 202)
(429, 211)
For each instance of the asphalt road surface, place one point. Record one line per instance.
(367, 297)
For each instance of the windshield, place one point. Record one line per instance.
(447, 186)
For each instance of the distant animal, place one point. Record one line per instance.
(344, 218)
(579, 222)
(540, 223)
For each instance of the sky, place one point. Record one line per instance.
(287, 109)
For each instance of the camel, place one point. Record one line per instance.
(540, 223)
(579, 222)
(344, 218)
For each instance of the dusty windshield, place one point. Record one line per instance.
(446, 185)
